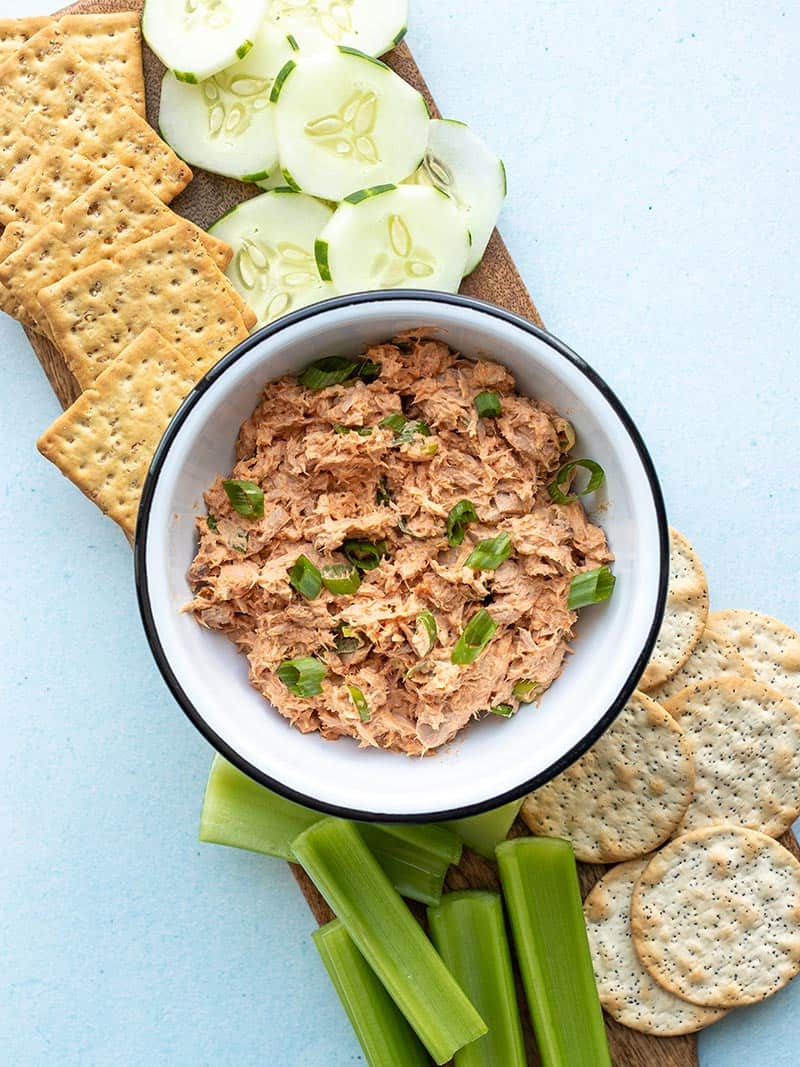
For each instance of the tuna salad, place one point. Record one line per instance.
(400, 547)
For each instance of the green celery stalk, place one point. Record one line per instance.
(540, 884)
(482, 833)
(243, 814)
(469, 932)
(382, 1032)
(335, 857)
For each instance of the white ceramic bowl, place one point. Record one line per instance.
(494, 760)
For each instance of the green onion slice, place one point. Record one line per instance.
(404, 429)
(461, 515)
(396, 421)
(341, 578)
(488, 405)
(333, 370)
(362, 431)
(305, 578)
(565, 432)
(347, 639)
(383, 494)
(366, 555)
(427, 622)
(596, 478)
(505, 710)
(523, 688)
(302, 676)
(476, 636)
(211, 522)
(489, 554)
(360, 701)
(590, 587)
(245, 497)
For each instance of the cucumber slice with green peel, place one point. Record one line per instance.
(394, 237)
(460, 164)
(345, 121)
(372, 27)
(197, 38)
(224, 124)
(272, 237)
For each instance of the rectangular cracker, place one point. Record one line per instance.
(60, 175)
(55, 97)
(112, 43)
(168, 281)
(105, 441)
(114, 212)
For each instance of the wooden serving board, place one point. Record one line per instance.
(498, 281)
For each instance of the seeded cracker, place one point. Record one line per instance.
(626, 990)
(712, 657)
(59, 176)
(626, 795)
(769, 646)
(746, 741)
(104, 442)
(115, 212)
(168, 282)
(685, 614)
(716, 917)
(50, 93)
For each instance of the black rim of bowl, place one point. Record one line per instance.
(140, 556)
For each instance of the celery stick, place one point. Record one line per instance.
(337, 860)
(482, 833)
(540, 884)
(239, 812)
(382, 1032)
(469, 933)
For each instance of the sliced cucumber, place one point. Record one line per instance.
(272, 237)
(373, 27)
(459, 163)
(224, 124)
(344, 121)
(394, 238)
(196, 38)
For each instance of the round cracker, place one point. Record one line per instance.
(768, 645)
(684, 616)
(746, 741)
(712, 657)
(715, 917)
(626, 795)
(626, 990)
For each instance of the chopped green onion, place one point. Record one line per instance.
(305, 578)
(523, 688)
(347, 639)
(240, 541)
(412, 427)
(303, 675)
(476, 636)
(211, 522)
(362, 431)
(243, 814)
(333, 370)
(504, 710)
(540, 885)
(245, 497)
(483, 833)
(341, 578)
(488, 405)
(489, 554)
(427, 622)
(366, 555)
(596, 478)
(565, 433)
(461, 515)
(383, 494)
(336, 858)
(360, 701)
(384, 1035)
(469, 933)
(590, 587)
(396, 421)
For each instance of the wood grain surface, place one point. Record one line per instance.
(498, 281)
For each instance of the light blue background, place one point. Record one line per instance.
(653, 167)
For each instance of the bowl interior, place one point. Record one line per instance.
(494, 759)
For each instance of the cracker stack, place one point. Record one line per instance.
(712, 920)
(91, 255)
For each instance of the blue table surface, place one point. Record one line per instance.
(652, 209)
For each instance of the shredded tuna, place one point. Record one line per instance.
(322, 485)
